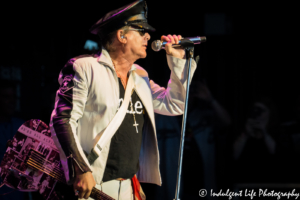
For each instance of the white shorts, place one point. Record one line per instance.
(119, 190)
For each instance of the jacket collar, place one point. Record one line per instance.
(105, 59)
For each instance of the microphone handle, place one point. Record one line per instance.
(195, 40)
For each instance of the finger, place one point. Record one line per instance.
(164, 38)
(176, 39)
(179, 37)
(87, 194)
(81, 195)
(81, 192)
(171, 39)
(168, 46)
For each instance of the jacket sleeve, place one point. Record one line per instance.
(69, 106)
(170, 100)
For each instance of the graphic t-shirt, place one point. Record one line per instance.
(123, 157)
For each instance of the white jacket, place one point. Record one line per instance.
(88, 100)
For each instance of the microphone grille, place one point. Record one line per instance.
(156, 45)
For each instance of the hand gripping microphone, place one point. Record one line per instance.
(158, 45)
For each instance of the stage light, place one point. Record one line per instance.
(91, 45)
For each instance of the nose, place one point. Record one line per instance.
(147, 36)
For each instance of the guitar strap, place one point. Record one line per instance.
(105, 137)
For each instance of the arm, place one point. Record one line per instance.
(239, 145)
(69, 106)
(170, 101)
(199, 90)
(222, 115)
(260, 126)
(270, 143)
(84, 182)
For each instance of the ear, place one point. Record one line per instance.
(121, 37)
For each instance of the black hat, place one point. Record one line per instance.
(134, 14)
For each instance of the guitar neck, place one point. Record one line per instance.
(99, 195)
(37, 161)
(31, 163)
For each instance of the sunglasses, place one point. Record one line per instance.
(141, 31)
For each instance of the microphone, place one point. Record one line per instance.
(158, 45)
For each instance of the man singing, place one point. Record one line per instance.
(91, 94)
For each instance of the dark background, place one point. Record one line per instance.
(248, 52)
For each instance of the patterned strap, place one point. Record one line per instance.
(137, 189)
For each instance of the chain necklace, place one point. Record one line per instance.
(133, 113)
(135, 124)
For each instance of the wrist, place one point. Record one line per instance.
(175, 54)
(77, 169)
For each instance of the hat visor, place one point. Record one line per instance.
(144, 25)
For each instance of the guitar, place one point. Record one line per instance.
(32, 163)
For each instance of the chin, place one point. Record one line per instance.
(143, 55)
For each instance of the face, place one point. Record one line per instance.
(137, 43)
(260, 112)
(258, 120)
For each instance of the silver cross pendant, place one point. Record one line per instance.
(135, 124)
